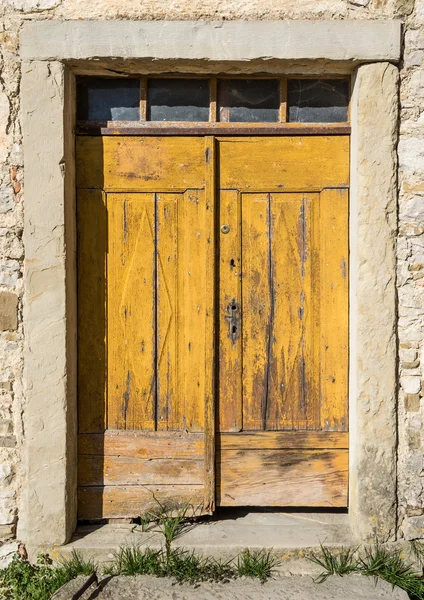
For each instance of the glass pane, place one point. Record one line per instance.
(178, 100)
(108, 99)
(317, 100)
(248, 100)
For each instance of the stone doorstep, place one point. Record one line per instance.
(352, 587)
(290, 536)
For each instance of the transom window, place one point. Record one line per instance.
(213, 99)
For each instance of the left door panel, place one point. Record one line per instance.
(145, 338)
(131, 312)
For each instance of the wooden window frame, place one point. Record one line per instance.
(214, 126)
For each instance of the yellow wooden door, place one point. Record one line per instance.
(283, 340)
(163, 368)
(145, 312)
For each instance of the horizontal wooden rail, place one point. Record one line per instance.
(168, 128)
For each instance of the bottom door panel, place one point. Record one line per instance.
(116, 502)
(273, 471)
(122, 474)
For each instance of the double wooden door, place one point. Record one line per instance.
(212, 322)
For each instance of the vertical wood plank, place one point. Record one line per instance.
(131, 311)
(256, 301)
(290, 398)
(230, 413)
(312, 311)
(193, 256)
(92, 248)
(334, 332)
(169, 401)
(209, 357)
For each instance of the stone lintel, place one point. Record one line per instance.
(356, 41)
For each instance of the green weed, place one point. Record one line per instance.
(341, 564)
(22, 580)
(135, 561)
(171, 521)
(179, 563)
(187, 566)
(183, 565)
(216, 569)
(372, 561)
(146, 521)
(390, 566)
(256, 563)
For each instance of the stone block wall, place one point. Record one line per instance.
(11, 289)
(410, 278)
(410, 241)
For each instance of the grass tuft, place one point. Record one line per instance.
(75, 565)
(256, 563)
(341, 564)
(183, 565)
(187, 566)
(180, 564)
(219, 570)
(135, 561)
(390, 566)
(374, 561)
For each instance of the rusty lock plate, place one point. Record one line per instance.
(233, 318)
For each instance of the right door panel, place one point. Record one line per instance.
(283, 409)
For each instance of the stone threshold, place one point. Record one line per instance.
(290, 536)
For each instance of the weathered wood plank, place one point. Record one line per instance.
(131, 318)
(185, 280)
(284, 163)
(111, 502)
(194, 254)
(290, 398)
(140, 444)
(256, 301)
(209, 395)
(230, 129)
(170, 407)
(278, 440)
(230, 414)
(92, 243)
(334, 316)
(140, 164)
(129, 470)
(282, 478)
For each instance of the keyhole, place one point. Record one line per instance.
(232, 263)
(234, 330)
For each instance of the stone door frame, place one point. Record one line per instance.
(52, 53)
